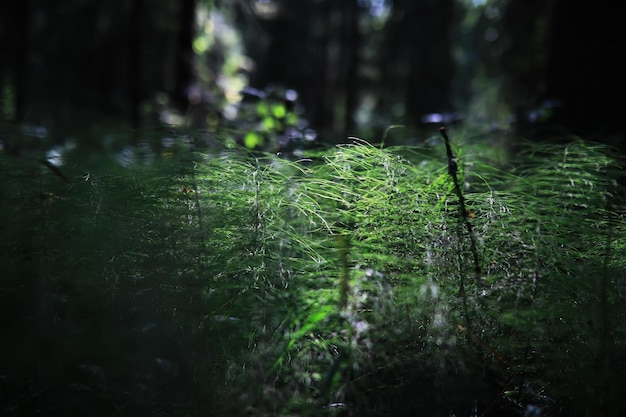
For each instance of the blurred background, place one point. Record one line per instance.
(79, 70)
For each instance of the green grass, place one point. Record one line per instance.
(241, 283)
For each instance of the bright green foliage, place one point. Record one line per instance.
(253, 140)
(321, 286)
(273, 124)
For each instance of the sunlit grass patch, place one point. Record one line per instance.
(335, 282)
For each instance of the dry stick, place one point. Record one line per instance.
(452, 171)
(55, 170)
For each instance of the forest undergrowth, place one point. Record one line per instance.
(355, 281)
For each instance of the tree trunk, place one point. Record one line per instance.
(431, 66)
(21, 50)
(323, 95)
(587, 63)
(134, 63)
(350, 45)
(184, 58)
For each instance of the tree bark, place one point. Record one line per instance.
(587, 63)
(184, 59)
(21, 50)
(350, 44)
(134, 63)
(431, 66)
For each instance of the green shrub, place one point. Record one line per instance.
(344, 282)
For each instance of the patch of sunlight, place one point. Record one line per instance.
(201, 44)
(380, 10)
(266, 9)
(366, 109)
(216, 29)
(55, 156)
(169, 117)
(232, 87)
(230, 111)
(34, 131)
(126, 157)
(475, 3)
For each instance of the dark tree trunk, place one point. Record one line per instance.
(134, 63)
(322, 114)
(522, 62)
(350, 48)
(184, 59)
(21, 49)
(431, 66)
(13, 41)
(587, 63)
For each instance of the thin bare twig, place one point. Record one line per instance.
(452, 170)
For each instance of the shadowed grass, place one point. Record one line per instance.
(321, 286)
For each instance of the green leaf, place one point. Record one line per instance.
(269, 124)
(252, 140)
(262, 110)
(279, 111)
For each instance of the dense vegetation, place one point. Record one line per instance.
(181, 236)
(350, 281)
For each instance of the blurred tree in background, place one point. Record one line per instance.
(586, 65)
(357, 66)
